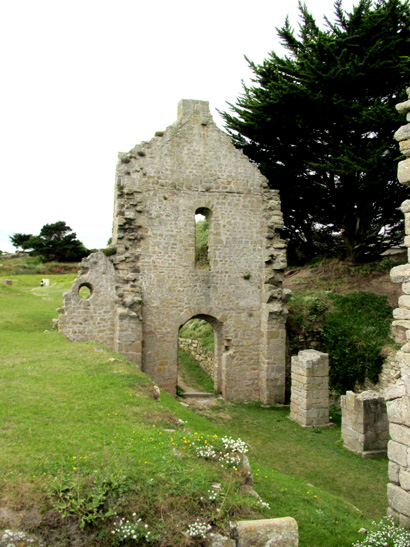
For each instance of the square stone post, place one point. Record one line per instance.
(365, 428)
(309, 403)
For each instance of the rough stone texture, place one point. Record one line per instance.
(281, 532)
(91, 318)
(365, 427)
(398, 399)
(155, 286)
(216, 540)
(309, 403)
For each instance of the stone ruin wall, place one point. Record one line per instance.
(398, 396)
(149, 286)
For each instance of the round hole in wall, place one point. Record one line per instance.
(85, 290)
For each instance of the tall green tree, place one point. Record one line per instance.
(55, 242)
(320, 121)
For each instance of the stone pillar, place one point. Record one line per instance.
(365, 429)
(309, 401)
(398, 397)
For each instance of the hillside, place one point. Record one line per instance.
(341, 277)
(85, 443)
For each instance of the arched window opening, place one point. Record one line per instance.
(202, 224)
(196, 357)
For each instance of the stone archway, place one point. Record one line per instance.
(217, 327)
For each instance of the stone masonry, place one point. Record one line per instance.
(309, 403)
(398, 397)
(149, 286)
(365, 428)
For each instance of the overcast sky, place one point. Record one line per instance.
(84, 79)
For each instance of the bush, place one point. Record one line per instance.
(353, 336)
(305, 321)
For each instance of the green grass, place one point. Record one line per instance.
(192, 374)
(82, 438)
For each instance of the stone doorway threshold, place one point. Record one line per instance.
(191, 394)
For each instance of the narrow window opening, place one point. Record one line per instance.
(202, 224)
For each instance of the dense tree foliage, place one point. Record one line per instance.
(20, 241)
(55, 242)
(320, 122)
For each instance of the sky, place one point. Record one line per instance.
(84, 79)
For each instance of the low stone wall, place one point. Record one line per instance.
(365, 428)
(309, 402)
(204, 358)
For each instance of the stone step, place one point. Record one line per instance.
(197, 395)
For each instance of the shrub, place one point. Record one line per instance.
(353, 336)
(305, 321)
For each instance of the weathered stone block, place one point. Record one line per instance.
(405, 479)
(398, 411)
(400, 274)
(400, 434)
(399, 499)
(282, 532)
(394, 472)
(403, 172)
(397, 453)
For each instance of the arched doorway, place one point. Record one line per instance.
(199, 355)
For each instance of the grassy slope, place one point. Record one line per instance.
(75, 422)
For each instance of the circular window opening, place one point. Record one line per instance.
(85, 291)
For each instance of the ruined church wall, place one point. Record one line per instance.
(160, 186)
(155, 286)
(91, 318)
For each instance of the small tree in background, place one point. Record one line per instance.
(320, 123)
(56, 242)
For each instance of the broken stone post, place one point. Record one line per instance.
(365, 428)
(398, 397)
(282, 532)
(309, 402)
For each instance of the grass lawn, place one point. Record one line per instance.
(83, 443)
